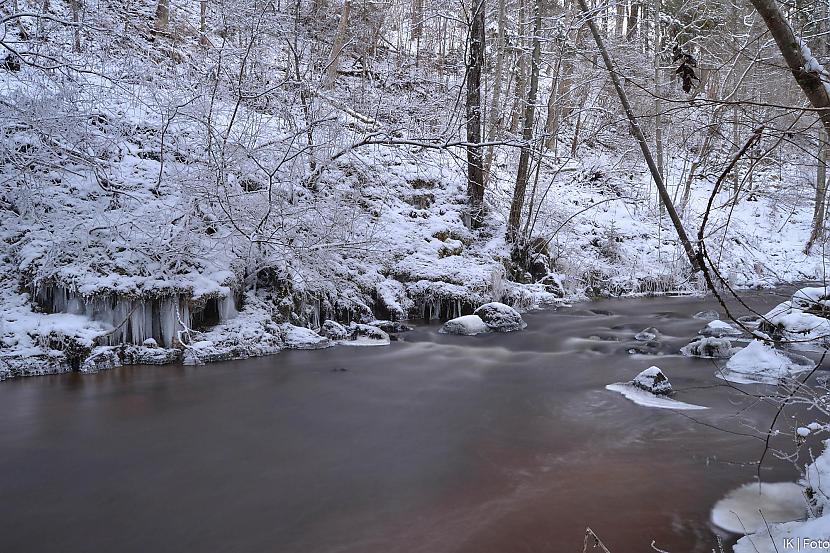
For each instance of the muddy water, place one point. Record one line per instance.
(437, 444)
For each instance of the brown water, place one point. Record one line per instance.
(437, 444)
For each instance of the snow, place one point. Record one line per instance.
(744, 509)
(718, 329)
(761, 363)
(647, 399)
(297, 337)
(467, 325)
(816, 484)
(110, 196)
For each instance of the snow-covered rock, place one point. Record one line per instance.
(751, 506)
(297, 337)
(707, 315)
(647, 334)
(391, 327)
(334, 330)
(811, 297)
(365, 335)
(500, 317)
(466, 325)
(718, 329)
(652, 380)
(789, 322)
(708, 348)
(760, 363)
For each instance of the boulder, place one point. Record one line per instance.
(708, 347)
(652, 380)
(334, 330)
(468, 325)
(298, 337)
(391, 327)
(500, 317)
(366, 335)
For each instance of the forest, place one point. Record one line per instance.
(185, 182)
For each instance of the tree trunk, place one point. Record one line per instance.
(475, 168)
(203, 22)
(808, 73)
(162, 15)
(517, 204)
(633, 18)
(417, 27)
(75, 7)
(819, 209)
(337, 46)
(494, 115)
(641, 139)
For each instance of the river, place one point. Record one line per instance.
(499, 443)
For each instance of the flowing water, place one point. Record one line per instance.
(436, 444)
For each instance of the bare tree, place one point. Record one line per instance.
(475, 64)
(523, 171)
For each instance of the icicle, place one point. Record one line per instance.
(227, 308)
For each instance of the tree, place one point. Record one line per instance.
(475, 64)
(523, 170)
(337, 46)
(813, 79)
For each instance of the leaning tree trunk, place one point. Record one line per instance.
(337, 46)
(475, 166)
(523, 171)
(641, 139)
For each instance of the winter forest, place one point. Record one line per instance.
(543, 209)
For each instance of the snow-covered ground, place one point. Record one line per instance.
(168, 208)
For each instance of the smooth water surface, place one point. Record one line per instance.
(436, 444)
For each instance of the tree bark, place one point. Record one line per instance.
(517, 204)
(475, 64)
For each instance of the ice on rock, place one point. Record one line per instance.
(468, 325)
(647, 334)
(708, 348)
(652, 380)
(760, 363)
(750, 507)
(298, 337)
(500, 317)
(391, 327)
(718, 329)
(707, 315)
(366, 335)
